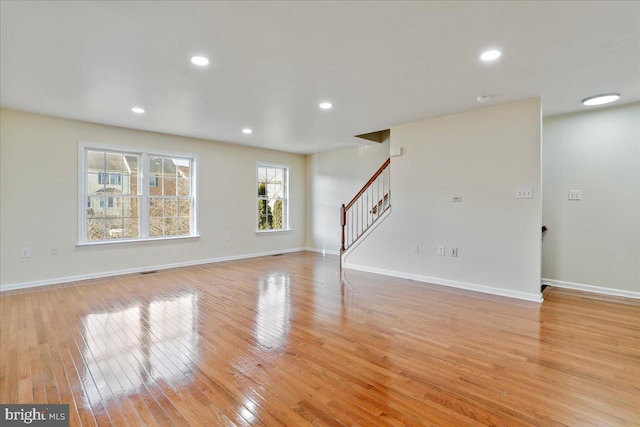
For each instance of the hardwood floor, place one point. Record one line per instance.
(283, 341)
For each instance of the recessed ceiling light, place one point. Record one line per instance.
(490, 55)
(326, 105)
(601, 99)
(199, 60)
(246, 131)
(138, 110)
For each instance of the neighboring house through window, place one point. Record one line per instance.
(273, 197)
(109, 178)
(170, 199)
(131, 194)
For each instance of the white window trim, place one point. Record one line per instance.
(282, 230)
(288, 197)
(144, 154)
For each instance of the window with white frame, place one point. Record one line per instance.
(133, 195)
(170, 201)
(273, 197)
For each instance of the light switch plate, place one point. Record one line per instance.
(575, 194)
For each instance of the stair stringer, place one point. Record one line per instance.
(365, 235)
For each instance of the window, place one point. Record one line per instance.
(109, 202)
(170, 200)
(134, 195)
(273, 197)
(109, 179)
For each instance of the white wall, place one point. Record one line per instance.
(39, 200)
(483, 156)
(333, 178)
(594, 241)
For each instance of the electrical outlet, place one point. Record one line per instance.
(416, 249)
(25, 253)
(227, 236)
(54, 251)
(456, 199)
(441, 250)
(575, 194)
(454, 252)
(524, 193)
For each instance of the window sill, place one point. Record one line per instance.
(133, 241)
(284, 230)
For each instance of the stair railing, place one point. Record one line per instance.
(371, 202)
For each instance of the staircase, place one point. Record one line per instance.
(366, 208)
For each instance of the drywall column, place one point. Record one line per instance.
(483, 156)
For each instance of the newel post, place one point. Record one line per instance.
(343, 222)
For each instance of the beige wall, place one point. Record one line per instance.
(594, 241)
(483, 156)
(39, 195)
(333, 178)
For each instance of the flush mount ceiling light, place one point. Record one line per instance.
(490, 55)
(601, 99)
(138, 110)
(326, 105)
(199, 60)
(247, 131)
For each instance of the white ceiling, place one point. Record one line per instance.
(379, 63)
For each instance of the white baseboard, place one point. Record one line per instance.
(323, 251)
(591, 288)
(59, 280)
(536, 297)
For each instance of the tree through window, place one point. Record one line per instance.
(273, 197)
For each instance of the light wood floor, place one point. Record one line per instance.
(283, 341)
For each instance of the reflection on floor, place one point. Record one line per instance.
(145, 342)
(272, 318)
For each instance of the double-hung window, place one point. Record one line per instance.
(273, 197)
(130, 194)
(170, 201)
